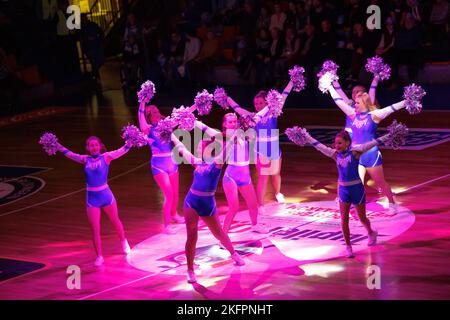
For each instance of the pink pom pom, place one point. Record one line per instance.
(275, 103)
(298, 78)
(376, 66)
(397, 135)
(203, 101)
(133, 136)
(147, 92)
(413, 95)
(328, 66)
(184, 118)
(164, 129)
(297, 135)
(221, 97)
(50, 143)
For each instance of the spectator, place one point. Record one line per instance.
(327, 41)
(386, 49)
(290, 55)
(358, 47)
(263, 21)
(131, 29)
(191, 51)
(408, 42)
(205, 60)
(302, 16)
(439, 20)
(131, 62)
(92, 44)
(318, 13)
(278, 19)
(173, 57)
(309, 53)
(247, 21)
(412, 8)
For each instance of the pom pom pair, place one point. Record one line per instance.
(203, 102)
(184, 118)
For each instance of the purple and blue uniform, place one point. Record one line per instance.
(201, 195)
(238, 169)
(267, 139)
(162, 160)
(348, 121)
(351, 189)
(363, 129)
(98, 192)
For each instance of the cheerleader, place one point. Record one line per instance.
(267, 147)
(163, 166)
(351, 188)
(365, 119)
(237, 177)
(99, 195)
(200, 201)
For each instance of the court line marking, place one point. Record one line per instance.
(154, 274)
(70, 193)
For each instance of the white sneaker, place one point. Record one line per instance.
(372, 238)
(349, 252)
(125, 246)
(177, 219)
(191, 276)
(260, 228)
(169, 230)
(393, 207)
(99, 261)
(237, 259)
(280, 198)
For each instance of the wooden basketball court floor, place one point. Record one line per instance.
(51, 227)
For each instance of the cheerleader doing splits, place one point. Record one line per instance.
(237, 177)
(267, 147)
(351, 188)
(200, 201)
(99, 195)
(365, 119)
(164, 168)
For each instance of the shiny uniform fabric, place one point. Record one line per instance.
(238, 169)
(96, 172)
(206, 179)
(269, 149)
(364, 128)
(347, 165)
(163, 164)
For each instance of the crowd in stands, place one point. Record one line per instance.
(263, 39)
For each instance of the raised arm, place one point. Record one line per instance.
(329, 152)
(341, 92)
(143, 124)
(113, 155)
(373, 88)
(72, 155)
(179, 147)
(380, 114)
(237, 108)
(286, 91)
(210, 131)
(349, 111)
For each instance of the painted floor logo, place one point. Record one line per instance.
(16, 182)
(299, 233)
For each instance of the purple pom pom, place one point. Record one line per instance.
(298, 78)
(203, 101)
(297, 135)
(376, 66)
(247, 121)
(50, 143)
(164, 129)
(413, 95)
(221, 97)
(133, 136)
(275, 103)
(328, 66)
(397, 135)
(147, 92)
(184, 118)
